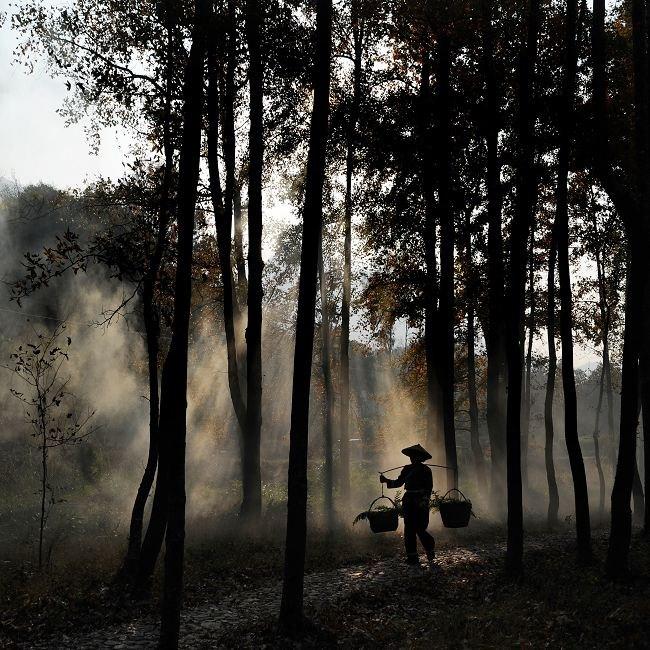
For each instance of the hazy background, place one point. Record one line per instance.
(98, 479)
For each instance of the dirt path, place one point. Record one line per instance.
(467, 601)
(209, 626)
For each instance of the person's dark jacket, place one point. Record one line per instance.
(415, 477)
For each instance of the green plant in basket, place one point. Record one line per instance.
(455, 511)
(395, 507)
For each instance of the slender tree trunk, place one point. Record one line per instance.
(247, 446)
(470, 291)
(637, 287)
(599, 465)
(240, 260)
(41, 526)
(645, 399)
(291, 609)
(446, 304)
(581, 494)
(228, 118)
(637, 485)
(637, 497)
(344, 379)
(526, 184)
(495, 334)
(224, 210)
(137, 515)
(602, 164)
(223, 227)
(477, 450)
(609, 389)
(329, 394)
(231, 183)
(252, 479)
(174, 375)
(553, 494)
(151, 322)
(607, 369)
(153, 539)
(434, 422)
(642, 68)
(529, 363)
(621, 513)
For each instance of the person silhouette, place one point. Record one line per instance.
(418, 483)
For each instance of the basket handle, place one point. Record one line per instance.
(381, 497)
(454, 490)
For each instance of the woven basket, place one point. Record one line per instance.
(383, 521)
(456, 513)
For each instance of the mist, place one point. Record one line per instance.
(96, 479)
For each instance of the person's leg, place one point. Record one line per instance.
(410, 540)
(426, 539)
(428, 542)
(410, 529)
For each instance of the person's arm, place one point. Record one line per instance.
(398, 482)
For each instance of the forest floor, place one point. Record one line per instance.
(465, 601)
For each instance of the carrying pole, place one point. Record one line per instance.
(454, 470)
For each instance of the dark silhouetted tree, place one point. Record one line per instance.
(526, 190)
(291, 609)
(173, 404)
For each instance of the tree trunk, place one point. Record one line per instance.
(228, 117)
(329, 395)
(252, 479)
(155, 534)
(621, 517)
(137, 514)
(635, 309)
(495, 334)
(637, 496)
(607, 369)
(599, 465)
(477, 450)
(434, 424)
(153, 539)
(174, 375)
(611, 431)
(642, 144)
(246, 403)
(446, 303)
(240, 260)
(526, 184)
(553, 494)
(291, 609)
(645, 399)
(229, 155)
(41, 523)
(566, 316)
(470, 292)
(223, 227)
(529, 363)
(344, 378)
(151, 323)
(232, 185)
(637, 485)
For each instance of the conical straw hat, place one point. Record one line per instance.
(416, 452)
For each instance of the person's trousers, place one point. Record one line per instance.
(415, 508)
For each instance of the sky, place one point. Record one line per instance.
(35, 143)
(36, 146)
